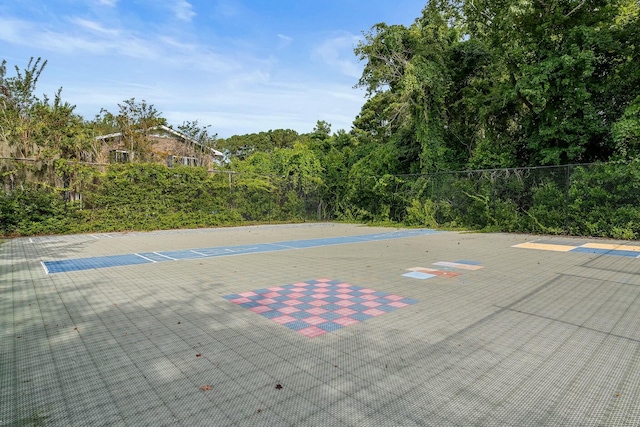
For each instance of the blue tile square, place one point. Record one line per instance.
(297, 325)
(249, 304)
(330, 316)
(277, 305)
(357, 299)
(386, 308)
(307, 299)
(381, 294)
(305, 306)
(359, 307)
(282, 298)
(332, 299)
(409, 301)
(419, 275)
(360, 316)
(230, 297)
(332, 307)
(330, 326)
(271, 314)
(300, 315)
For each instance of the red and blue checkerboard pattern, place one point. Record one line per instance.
(319, 306)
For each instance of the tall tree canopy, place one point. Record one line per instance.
(497, 83)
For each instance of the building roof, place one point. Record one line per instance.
(167, 129)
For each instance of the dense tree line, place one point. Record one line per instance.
(472, 84)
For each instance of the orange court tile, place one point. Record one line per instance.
(545, 247)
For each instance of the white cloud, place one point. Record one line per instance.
(183, 10)
(93, 26)
(108, 3)
(284, 41)
(337, 52)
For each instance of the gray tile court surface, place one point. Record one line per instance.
(509, 337)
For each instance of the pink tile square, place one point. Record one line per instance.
(369, 297)
(367, 291)
(260, 309)
(374, 312)
(284, 319)
(288, 310)
(321, 285)
(323, 280)
(344, 311)
(320, 303)
(240, 300)
(319, 296)
(272, 294)
(316, 310)
(266, 301)
(292, 302)
(371, 304)
(345, 303)
(345, 321)
(343, 285)
(248, 294)
(398, 304)
(276, 289)
(394, 297)
(344, 296)
(301, 284)
(295, 295)
(314, 320)
(292, 290)
(312, 331)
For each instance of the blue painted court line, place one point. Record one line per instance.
(77, 264)
(614, 252)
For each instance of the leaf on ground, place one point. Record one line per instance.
(198, 354)
(279, 386)
(205, 387)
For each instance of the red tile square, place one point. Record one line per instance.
(288, 310)
(345, 321)
(371, 304)
(398, 304)
(284, 319)
(240, 300)
(374, 312)
(315, 320)
(316, 310)
(345, 303)
(344, 311)
(312, 331)
(320, 303)
(248, 294)
(260, 309)
(272, 294)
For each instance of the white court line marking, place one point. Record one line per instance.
(199, 253)
(174, 259)
(148, 259)
(30, 240)
(111, 237)
(95, 237)
(46, 270)
(240, 250)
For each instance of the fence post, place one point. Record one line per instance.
(567, 183)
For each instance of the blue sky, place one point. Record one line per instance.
(241, 66)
